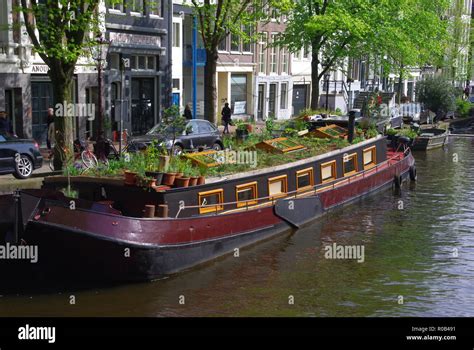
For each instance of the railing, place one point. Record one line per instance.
(294, 194)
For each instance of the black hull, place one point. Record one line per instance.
(67, 255)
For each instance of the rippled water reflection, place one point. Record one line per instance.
(424, 253)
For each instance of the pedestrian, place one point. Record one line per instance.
(226, 117)
(187, 112)
(5, 125)
(50, 123)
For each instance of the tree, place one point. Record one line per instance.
(336, 30)
(218, 19)
(437, 94)
(58, 30)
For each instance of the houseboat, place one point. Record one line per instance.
(103, 235)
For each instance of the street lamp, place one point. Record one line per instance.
(349, 82)
(99, 51)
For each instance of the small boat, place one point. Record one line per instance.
(429, 139)
(102, 234)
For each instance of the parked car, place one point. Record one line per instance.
(19, 157)
(196, 135)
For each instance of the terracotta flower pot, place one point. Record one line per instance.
(181, 182)
(193, 181)
(130, 178)
(158, 176)
(201, 180)
(168, 179)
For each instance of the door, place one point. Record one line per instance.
(272, 100)
(191, 139)
(261, 101)
(299, 98)
(143, 97)
(41, 100)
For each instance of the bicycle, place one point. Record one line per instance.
(81, 151)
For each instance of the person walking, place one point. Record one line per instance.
(50, 123)
(5, 125)
(187, 112)
(226, 117)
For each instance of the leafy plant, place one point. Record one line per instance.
(437, 94)
(463, 107)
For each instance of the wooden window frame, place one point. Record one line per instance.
(214, 208)
(310, 173)
(285, 186)
(243, 187)
(331, 163)
(356, 162)
(373, 163)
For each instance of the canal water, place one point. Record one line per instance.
(418, 261)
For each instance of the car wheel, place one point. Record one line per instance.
(177, 150)
(217, 147)
(23, 167)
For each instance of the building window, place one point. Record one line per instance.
(246, 44)
(306, 52)
(283, 95)
(262, 52)
(136, 6)
(238, 93)
(234, 43)
(211, 201)
(223, 44)
(175, 84)
(176, 35)
(272, 100)
(154, 7)
(277, 187)
(273, 55)
(246, 194)
(141, 62)
(114, 61)
(116, 6)
(328, 171)
(151, 62)
(284, 61)
(350, 164)
(369, 157)
(305, 179)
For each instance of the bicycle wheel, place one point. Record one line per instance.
(89, 159)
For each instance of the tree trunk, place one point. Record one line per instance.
(210, 90)
(315, 80)
(63, 148)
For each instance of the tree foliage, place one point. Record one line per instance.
(401, 33)
(437, 94)
(60, 32)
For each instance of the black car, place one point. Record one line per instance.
(19, 156)
(196, 135)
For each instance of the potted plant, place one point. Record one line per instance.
(193, 174)
(152, 158)
(130, 178)
(202, 175)
(241, 131)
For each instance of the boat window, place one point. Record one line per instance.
(213, 198)
(369, 157)
(328, 171)
(246, 194)
(350, 164)
(305, 179)
(277, 186)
